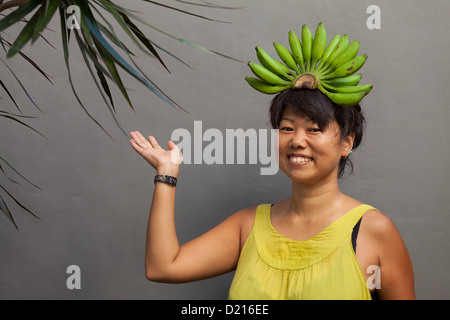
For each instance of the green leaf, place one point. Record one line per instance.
(105, 87)
(184, 41)
(93, 56)
(9, 94)
(34, 64)
(101, 42)
(114, 38)
(20, 83)
(51, 7)
(124, 26)
(110, 63)
(26, 34)
(114, 74)
(157, 88)
(18, 173)
(13, 181)
(22, 123)
(143, 39)
(62, 15)
(120, 44)
(4, 208)
(186, 12)
(96, 83)
(19, 204)
(208, 5)
(18, 14)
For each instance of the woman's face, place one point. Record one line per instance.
(308, 154)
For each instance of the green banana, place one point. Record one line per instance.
(266, 75)
(345, 56)
(343, 99)
(352, 80)
(287, 57)
(340, 47)
(329, 49)
(297, 51)
(307, 40)
(347, 68)
(366, 88)
(265, 87)
(318, 46)
(311, 64)
(273, 65)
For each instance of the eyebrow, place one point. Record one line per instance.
(287, 119)
(293, 121)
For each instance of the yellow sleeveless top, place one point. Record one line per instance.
(272, 266)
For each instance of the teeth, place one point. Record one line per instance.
(300, 159)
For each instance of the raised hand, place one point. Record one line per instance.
(164, 161)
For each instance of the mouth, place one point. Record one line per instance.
(299, 159)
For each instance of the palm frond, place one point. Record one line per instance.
(104, 53)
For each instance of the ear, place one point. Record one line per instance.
(348, 144)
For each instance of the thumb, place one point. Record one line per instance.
(175, 153)
(171, 145)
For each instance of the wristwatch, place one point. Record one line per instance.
(166, 179)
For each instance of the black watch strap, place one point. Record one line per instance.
(166, 179)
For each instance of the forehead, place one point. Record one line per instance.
(290, 116)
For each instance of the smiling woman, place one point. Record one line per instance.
(304, 247)
(311, 245)
(314, 244)
(322, 113)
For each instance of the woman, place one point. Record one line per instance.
(313, 151)
(316, 244)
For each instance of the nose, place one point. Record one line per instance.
(299, 140)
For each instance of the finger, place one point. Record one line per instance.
(153, 142)
(171, 145)
(135, 146)
(140, 140)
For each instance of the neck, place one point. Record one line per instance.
(314, 200)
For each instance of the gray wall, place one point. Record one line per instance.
(96, 193)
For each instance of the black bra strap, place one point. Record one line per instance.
(355, 234)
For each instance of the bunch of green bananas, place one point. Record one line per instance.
(311, 64)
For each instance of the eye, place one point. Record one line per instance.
(286, 129)
(314, 130)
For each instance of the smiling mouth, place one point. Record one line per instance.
(297, 159)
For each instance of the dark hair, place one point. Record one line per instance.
(316, 106)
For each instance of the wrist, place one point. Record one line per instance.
(165, 179)
(168, 171)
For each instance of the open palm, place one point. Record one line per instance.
(164, 161)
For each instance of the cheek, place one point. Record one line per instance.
(328, 151)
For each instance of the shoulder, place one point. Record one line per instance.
(383, 236)
(379, 225)
(244, 219)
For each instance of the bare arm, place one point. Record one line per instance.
(213, 253)
(396, 270)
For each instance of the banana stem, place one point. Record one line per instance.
(306, 81)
